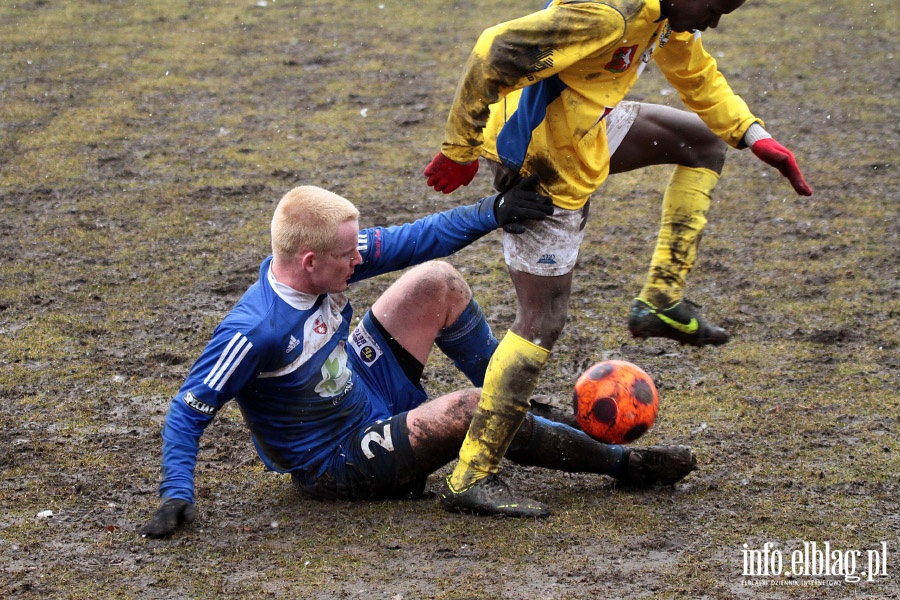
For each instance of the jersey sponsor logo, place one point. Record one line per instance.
(365, 346)
(622, 59)
(335, 373)
(547, 259)
(228, 361)
(383, 439)
(368, 354)
(347, 389)
(293, 343)
(665, 35)
(200, 406)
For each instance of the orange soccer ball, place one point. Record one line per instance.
(615, 401)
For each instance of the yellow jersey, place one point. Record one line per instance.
(535, 90)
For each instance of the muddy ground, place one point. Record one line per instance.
(142, 149)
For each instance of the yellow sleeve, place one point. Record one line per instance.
(521, 52)
(703, 89)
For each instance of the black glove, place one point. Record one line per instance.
(521, 203)
(168, 517)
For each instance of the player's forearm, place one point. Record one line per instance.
(179, 458)
(517, 54)
(703, 88)
(435, 236)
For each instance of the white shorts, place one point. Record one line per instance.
(550, 247)
(618, 122)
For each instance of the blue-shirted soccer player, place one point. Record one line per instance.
(344, 411)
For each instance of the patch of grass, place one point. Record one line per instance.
(142, 149)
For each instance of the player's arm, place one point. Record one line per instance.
(386, 249)
(225, 366)
(511, 56)
(703, 89)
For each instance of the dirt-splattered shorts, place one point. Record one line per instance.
(550, 247)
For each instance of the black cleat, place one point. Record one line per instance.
(490, 497)
(656, 466)
(680, 322)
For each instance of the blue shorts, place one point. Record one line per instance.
(376, 460)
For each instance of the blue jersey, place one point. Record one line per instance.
(282, 356)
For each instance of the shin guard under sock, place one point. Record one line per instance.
(508, 384)
(685, 203)
(544, 443)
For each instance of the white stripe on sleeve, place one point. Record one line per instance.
(228, 361)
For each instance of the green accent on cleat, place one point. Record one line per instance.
(680, 322)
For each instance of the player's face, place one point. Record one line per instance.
(335, 267)
(697, 15)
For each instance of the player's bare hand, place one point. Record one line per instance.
(445, 175)
(771, 152)
(170, 515)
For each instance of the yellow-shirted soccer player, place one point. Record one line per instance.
(543, 95)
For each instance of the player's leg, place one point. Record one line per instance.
(432, 303)
(548, 444)
(540, 263)
(393, 457)
(664, 135)
(437, 427)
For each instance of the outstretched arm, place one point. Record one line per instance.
(441, 234)
(225, 366)
(511, 56)
(771, 152)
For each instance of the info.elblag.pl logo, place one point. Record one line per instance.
(817, 560)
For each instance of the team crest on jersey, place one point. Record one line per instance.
(365, 345)
(320, 326)
(622, 59)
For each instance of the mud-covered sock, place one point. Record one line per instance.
(544, 443)
(685, 204)
(509, 382)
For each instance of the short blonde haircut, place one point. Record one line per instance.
(307, 218)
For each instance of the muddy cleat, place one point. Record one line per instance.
(657, 466)
(490, 497)
(680, 322)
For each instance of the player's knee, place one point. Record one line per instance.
(461, 408)
(441, 282)
(711, 154)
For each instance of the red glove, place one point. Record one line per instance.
(445, 175)
(771, 152)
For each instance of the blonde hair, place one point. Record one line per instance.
(307, 218)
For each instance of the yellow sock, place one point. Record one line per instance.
(509, 382)
(685, 202)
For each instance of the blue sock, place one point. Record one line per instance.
(469, 343)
